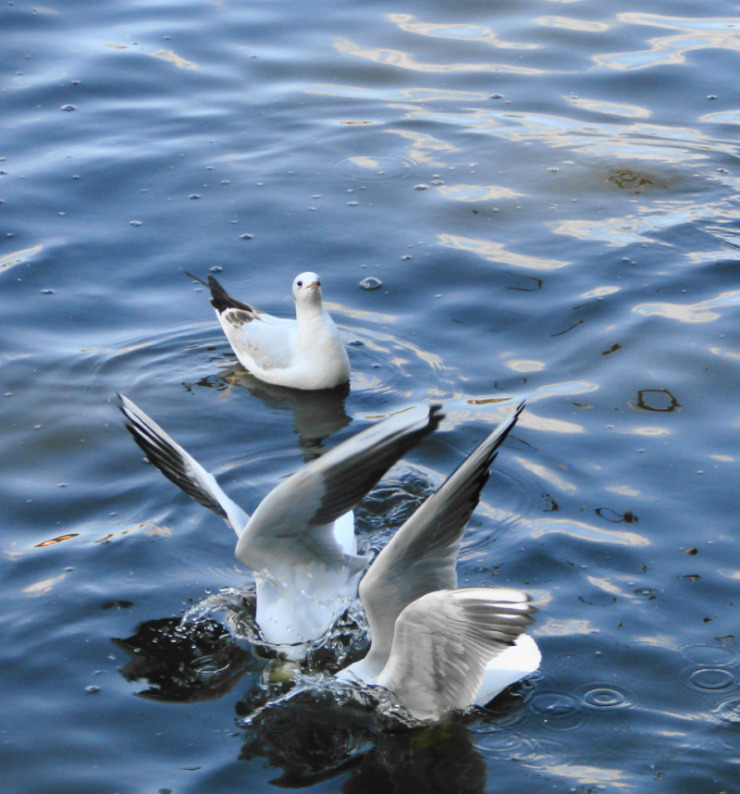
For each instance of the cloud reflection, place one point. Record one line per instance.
(702, 312)
(459, 31)
(496, 252)
(695, 34)
(404, 60)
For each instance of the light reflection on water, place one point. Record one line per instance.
(548, 195)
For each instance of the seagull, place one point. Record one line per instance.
(300, 541)
(434, 646)
(305, 353)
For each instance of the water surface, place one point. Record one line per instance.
(547, 193)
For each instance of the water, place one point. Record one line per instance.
(547, 194)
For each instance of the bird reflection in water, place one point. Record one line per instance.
(316, 414)
(319, 734)
(184, 663)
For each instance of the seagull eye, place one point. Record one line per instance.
(300, 283)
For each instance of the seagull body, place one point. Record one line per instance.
(305, 353)
(434, 646)
(300, 540)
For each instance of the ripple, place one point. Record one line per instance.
(708, 654)
(711, 679)
(603, 697)
(505, 743)
(560, 711)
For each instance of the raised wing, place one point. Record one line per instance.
(421, 556)
(179, 466)
(294, 521)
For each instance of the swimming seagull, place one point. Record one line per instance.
(300, 540)
(434, 646)
(305, 353)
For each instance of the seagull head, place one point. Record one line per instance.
(307, 288)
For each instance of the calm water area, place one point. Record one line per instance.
(544, 198)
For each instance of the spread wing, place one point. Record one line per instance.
(293, 523)
(443, 642)
(179, 466)
(421, 556)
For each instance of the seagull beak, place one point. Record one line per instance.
(314, 285)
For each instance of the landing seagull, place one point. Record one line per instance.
(436, 647)
(300, 540)
(305, 353)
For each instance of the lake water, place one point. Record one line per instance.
(548, 192)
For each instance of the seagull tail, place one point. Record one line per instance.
(220, 298)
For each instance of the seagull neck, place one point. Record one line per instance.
(311, 317)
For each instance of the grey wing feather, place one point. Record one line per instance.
(443, 641)
(303, 507)
(421, 556)
(179, 466)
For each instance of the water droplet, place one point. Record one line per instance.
(421, 186)
(92, 689)
(194, 196)
(216, 269)
(47, 291)
(136, 223)
(68, 108)
(371, 283)
(246, 236)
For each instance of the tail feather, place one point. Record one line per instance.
(220, 299)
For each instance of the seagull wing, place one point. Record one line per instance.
(180, 467)
(421, 556)
(293, 523)
(443, 642)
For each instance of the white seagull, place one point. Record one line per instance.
(300, 541)
(433, 646)
(305, 353)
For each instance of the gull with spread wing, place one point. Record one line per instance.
(305, 353)
(300, 541)
(433, 646)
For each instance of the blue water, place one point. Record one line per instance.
(548, 192)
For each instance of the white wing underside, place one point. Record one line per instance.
(448, 643)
